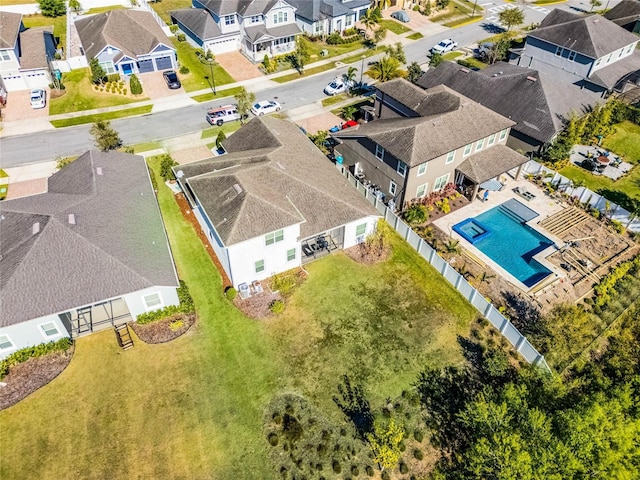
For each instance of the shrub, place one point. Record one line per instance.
(350, 32)
(113, 77)
(176, 325)
(418, 435)
(134, 84)
(186, 301)
(334, 39)
(336, 466)
(184, 70)
(277, 306)
(403, 468)
(230, 293)
(617, 226)
(159, 314)
(355, 471)
(173, 28)
(25, 354)
(385, 475)
(124, 91)
(369, 470)
(273, 439)
(165, 167)
(283, 282)
(418, 455)
(467, 64)
(181, 37)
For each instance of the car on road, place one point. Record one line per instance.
(223, 114)
(337, 86)
(38, 98)
(401, 16)
(171, 78)
(444, 46)
(264, 107)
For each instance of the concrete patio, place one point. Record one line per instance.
(582, 152)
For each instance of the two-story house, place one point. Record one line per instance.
(126, 42)
(590, 51)
(256, 28)
(422, 140)
(273, 202)
(324, 17)
(24, 54)
(626, 14)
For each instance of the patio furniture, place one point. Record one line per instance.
(524, 193)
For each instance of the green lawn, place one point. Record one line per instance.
(129, 112)
(451, 55)
(80, 95)
(206, 97)
(59, 25)
(193, 408)
(395, 27)
(625, 142)
(457, 11)
(96, 10)
(415, 36)
(163, 7)
(227, 128)
(334, 50)
(195, 80)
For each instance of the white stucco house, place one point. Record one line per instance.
(273, 202)
(88, 254)
(324, 17)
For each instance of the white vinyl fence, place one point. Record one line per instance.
(583, 194)
(511, 333)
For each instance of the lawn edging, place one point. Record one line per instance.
(128, 112)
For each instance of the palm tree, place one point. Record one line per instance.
(452, 246)
(350, 76)
(483, 277)
(349, 112)
(371, 18)
(385, 69)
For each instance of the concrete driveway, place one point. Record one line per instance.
(18, 107)
(155, 87)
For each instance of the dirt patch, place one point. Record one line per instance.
(257, 305)
(165, 330)
(25, 378)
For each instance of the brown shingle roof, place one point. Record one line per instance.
(490, 163)
(10, 25)
(33, 47)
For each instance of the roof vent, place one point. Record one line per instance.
(494, 75)
(532, 79)
(237, 188)
(464, 70)
(282, 167)
(500, 72)
(36, 228)
(72, 219)
(99, 170)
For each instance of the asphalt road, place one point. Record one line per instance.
(47, 145)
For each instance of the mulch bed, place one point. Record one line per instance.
(160, 330)
(25, 378)
(362, 255)
(257, 306)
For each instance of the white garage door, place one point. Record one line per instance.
(38, 79)
(14, 82)
(222, 46)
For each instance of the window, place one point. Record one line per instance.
(50, 329)
(275, 237)
(259, 266)
(629, 48)
(598, 62)
(451, 156)
(280, 17)
(5, 342)
(361, 229)
(572, 56)
(621, 52)
(4, 56)
(422, 190)
(479, 144)
(255, 19)
(291, 255)
(229, 19)
(503, 134)
(467, 150)
(558, 51)
(108, 67)
(402, 168)
(349, 20)
(379, 152)
(492, 139)
(440, 182)
(422, 169)
(392, 187)
(318, 27)
(152, 301)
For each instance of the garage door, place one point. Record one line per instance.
(164, 63)
(14, 82)
(145, 66)
(37, 80)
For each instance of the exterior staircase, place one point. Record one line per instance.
(124, 336)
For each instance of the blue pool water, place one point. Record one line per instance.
(512, 244)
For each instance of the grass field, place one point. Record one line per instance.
(195, 79)
(96, 10)
(227, 128)
(206, 97)
(395, 27)
(59, 25)
(415, 36)
(129, 112)
(165, 6)
(193, 408)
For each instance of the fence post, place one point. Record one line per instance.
(444, 269)
(458, 281)
(504, 325)
(431, 254)
(487, 310)
(474, 292)
(406, 235)
(520, 343)
(395, 222)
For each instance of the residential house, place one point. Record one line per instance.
(273, 202)
(324, 17)
(89, 253)
(255, 27)
(626, 14)
(422, 140)
(126, 42)
(538, 102)
(25, 54)
(587, 50)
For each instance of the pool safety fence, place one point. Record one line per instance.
(482, 305)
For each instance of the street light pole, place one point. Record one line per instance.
(362, 69)
(473, 14)
(213, 79)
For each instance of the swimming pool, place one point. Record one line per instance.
(509, 242)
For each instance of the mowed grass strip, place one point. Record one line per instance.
(59, 24)
(129, 112)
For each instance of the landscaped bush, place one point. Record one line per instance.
(277, 306)
(135, 85)
(418, 435)
(186, 306)
(113, 77)
(617, 226)
(230, 293)
(283, 282)
(176, 325)
(403, 468)
(25, 354)
(337, 39)
(184, 70)
(181, 37)
(468, 64)
(173, 28)
(165, 167)
(605, 290)
(418, 455)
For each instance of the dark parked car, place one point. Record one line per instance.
(171, 78)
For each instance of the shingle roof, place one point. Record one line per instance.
(315, 10)
(260, 31)
(134, 32)
(243, 7)
(415, 140)
(116, 246)
(10, 24)
(490, 163)
(199, 21)
(627, 11)
(537, 102)
(435, 101)
(610, 75)
(33, 47)
(272, 177)
(591, 35)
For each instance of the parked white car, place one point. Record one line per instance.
(338, 85)
(264, 107)
(444, 46)
(38, 98)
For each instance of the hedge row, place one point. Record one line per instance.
(25, 354)
(337, 39)
(186, 306)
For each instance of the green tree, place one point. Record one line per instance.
(435, 59)
(301, 55)
(97, 72)
(397, 51)
(349, 112)
(511, 17)
(105, 137)
(165, 167)
(75, 6)
(134, 85)
(220, 138)
(595, 3)
(350, 75)
(416, 213)
(371, 19)
(385, 442)
(52, 8)
(379, 34)
(385, 69)
(244, 100)
(498, 51)
(414, 72)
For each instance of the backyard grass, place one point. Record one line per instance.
(193, 408)
(96, 10)
(394, 27)
(59, 25)
(165, 6)
(415, 36)
(129, 112)
(195, 80)
(80, 95)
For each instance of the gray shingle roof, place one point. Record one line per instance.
(260, 31)
(199, 21)
(490, 163)
(10, 25)
(315, 10)
(243, 7)
(272, 177)
(117, 245)
(537, 102)
(134, 32)
(33, 47)
(627, 11)
(610, 75)
(415, 140)
(591, 35)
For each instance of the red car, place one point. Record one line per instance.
(349, 123)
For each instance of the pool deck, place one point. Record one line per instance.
(541, 204)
